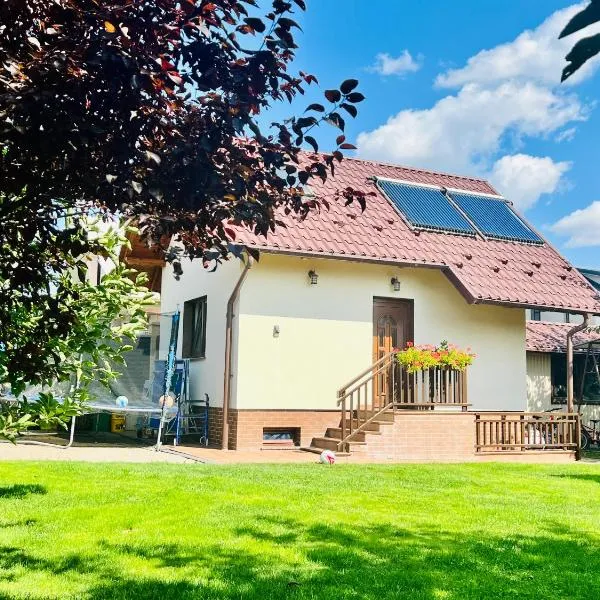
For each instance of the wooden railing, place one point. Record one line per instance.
(522, 432)
(433, 387)
(385, 385)
(367, 396)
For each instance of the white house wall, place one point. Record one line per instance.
(325, 332)
(561, 317)
(539, 384)
(206, 374)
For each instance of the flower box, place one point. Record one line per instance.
(424, 357)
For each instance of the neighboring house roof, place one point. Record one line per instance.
(485, 271)
(592, 276)
(544, 336)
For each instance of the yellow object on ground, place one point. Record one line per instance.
(117, 423)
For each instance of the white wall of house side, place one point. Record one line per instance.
(325, 332)
(559, 317)
(549, 316)
(206, 374)
(539, 384)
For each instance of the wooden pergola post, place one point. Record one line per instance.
(570, 385)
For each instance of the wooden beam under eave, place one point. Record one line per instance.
(156, 280)
(144, 263)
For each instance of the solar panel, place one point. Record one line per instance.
(494, 218)
(425, 207)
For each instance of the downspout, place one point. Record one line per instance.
(570, 335)
(228, 353)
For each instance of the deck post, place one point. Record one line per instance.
(570, 334)
(578, 436)
(342, 394)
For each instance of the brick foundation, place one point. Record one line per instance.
(441, 437)
(246, 426)
(412, 437)
(215, 427)
(424, 437)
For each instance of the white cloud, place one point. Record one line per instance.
(505, 96)
(582, 226)
(462, 132)
(535, 55)
(525, 178)
(388, 65)
(567, 135)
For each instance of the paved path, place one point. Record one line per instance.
(181, 454)
(213, 455)
(90, 454)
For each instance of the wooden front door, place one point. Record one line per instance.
(392, 327)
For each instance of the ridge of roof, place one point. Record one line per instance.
(424, 171)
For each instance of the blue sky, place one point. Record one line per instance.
(471, 88)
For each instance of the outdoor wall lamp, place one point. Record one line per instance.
(395, 282)
(313, 277)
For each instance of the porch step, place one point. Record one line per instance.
(372, 427)
(328, 443)
(336, 432)
(385, 417)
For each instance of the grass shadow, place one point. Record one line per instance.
(347, 562)
(591, 455)
(19, 523)
(20, 490)
(593, 477)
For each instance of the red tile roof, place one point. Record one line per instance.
(552, 337)
(485, 271)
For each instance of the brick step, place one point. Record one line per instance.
(372, 427)
(327, 443)
(336, 432)
(386, 417)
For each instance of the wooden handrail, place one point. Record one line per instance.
(348, 392)
(385, 386)
(367, 396)
(343, 389)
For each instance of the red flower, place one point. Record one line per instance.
(409, 344)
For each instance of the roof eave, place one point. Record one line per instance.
(398, 262)
(448, 271)
(560, 309)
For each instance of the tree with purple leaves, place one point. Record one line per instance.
(148, 109)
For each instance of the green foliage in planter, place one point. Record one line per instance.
(420, 358)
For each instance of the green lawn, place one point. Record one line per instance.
(299, 531)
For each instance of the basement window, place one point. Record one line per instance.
(277, 436)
